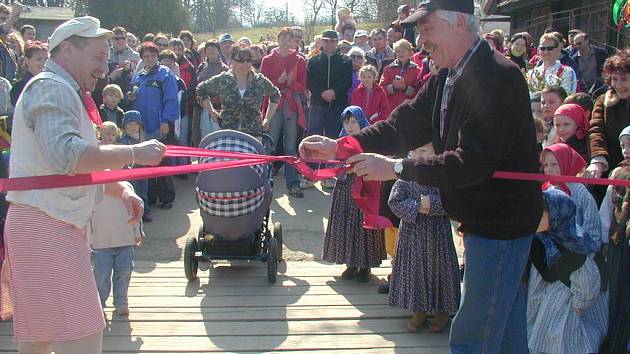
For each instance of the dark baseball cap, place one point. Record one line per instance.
(329, 34)
(426, 7)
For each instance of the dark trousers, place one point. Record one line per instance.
(162, 188)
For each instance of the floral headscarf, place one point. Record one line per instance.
(357, 113)
(562, 227)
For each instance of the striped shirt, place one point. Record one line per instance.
(454, 73)
(53, 117)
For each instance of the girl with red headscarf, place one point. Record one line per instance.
(571, 123)
(561, 160)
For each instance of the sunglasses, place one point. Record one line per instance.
(549, 48)
(120, 38)
(356, 57)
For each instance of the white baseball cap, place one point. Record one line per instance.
(86, 26)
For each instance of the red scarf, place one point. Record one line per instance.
(570, 162)
(91, 109)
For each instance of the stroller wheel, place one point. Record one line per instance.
(190, 263)
(272, 260)
(277, 234)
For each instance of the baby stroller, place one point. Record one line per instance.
(234, 205)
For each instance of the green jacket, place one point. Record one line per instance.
(239, 113)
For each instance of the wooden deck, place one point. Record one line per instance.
(234, 309)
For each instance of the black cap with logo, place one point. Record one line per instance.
(426, 7)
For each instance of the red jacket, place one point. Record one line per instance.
(412, 75)
(273, 65)
(376, 103)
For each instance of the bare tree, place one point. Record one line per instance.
(332, 6)
(312, 10)
(253, 12)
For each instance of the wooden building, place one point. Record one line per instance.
(535, 16)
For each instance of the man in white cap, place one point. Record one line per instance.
(361, 40)
(55, 301)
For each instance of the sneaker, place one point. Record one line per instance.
(122, 310)
(147, 217)
(349, 273)
(383, 288)
(296, 192)
(363, 275)
(306, 184)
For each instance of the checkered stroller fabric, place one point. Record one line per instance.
(233, 202)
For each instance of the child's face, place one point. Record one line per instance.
(108, 136)
(132, 128)
(367, 79)
(424, 152)
(537, 111)
(351, 125)
(111, 100)
(625, 147)
(550, 164)
(550, 102)
(565, 127)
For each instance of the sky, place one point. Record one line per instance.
(295, 7)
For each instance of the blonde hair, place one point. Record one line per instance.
(368, 69)
(403, 44)
(109, 127)
(550, 37)
(19, 41)
(113, 89)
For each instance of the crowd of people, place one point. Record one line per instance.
(545, 266)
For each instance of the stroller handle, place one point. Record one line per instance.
(267, 140)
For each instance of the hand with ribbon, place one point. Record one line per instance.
(148, 153)
(318, 147)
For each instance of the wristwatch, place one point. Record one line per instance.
(398, 167)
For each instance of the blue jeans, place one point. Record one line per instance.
(287, 126)
(207, 125)
(324, 121)
(492, 315)
(142, 190)
(120, 261)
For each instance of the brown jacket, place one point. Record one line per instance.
(610, 116)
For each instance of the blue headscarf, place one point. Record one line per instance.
(357, 113)
(562, 227)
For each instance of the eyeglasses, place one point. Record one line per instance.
(548, 48)
(120, 38)
(356, 57)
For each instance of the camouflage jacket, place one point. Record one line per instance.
(239, 113)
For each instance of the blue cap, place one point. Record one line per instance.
(226, 38)
(625, 132)
(132, 116)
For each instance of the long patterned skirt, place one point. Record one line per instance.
(346, 242)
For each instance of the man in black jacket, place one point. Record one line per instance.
(590, 62)
(476, 113)
(329, 78)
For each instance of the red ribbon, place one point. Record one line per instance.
(103, 177)
(241, 160)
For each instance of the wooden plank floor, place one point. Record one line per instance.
(232, 308)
